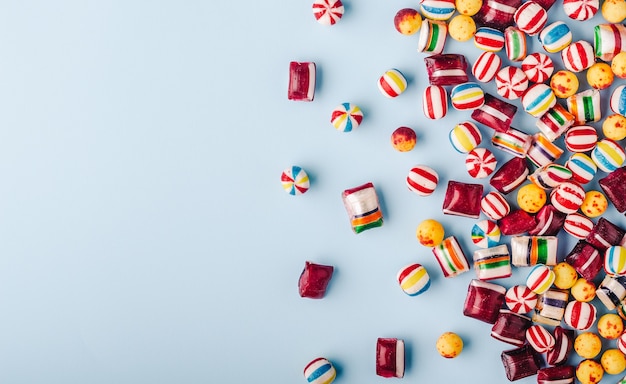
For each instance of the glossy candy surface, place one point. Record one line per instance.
(390, 357)
(462, 199)
(314, 279)
(301, 81)
(483, 301)
(363, 208)
(480, 163)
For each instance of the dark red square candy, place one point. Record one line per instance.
(314, 280)
(561, 374)
(585, 259)
(614, 187)
(516, 223)
(495, 113)
(510, 175)
(463, 199)
(605, 234)
(390, 357)
(521, 362)
(549, 221)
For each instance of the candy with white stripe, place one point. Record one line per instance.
(528, 251)
(432, 37)
(483, 301)
(346, 117)
(585, 106)
(582, 166)
(550, 176)
(618, 100)
(497, 13)
(580, 315)
(462, 199)
(614, 187)
(327, 12)
(492, 263)
(422, 180)
(392, 83)
(446, 69)
(521, 362)
(551, 307)
(578, 225)
(549, 221)
(582, 138)
(489, 39)
(435, 102)
(612, 291)
(530, 18)
(608, 155)
(467, 96)
(539, 338)
(301, 81)
(563, 345)
(510, 175)
(567, 197)
(520, 299)
(538, 67)
(510, 327)
(555, 37)
(511, 82)
(605, 234)
(486, 234)
(563, 374)
(451, 257)
(494, 206)
(578, 56)
(538, 99)
(580, 9)
(555, 122)
(480, 163)
(414, 279)
(437, 9)
(390, 357)
(512, 141)
(465, 136)
(320, 371)
(495, 113)
(585, 259)
(515, 44)
(609, 40)
(542, 151)
(487, 66)
(615, 260)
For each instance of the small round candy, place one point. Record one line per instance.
(578, 56)
(587, 345)
(580, 9)
(582, 138)
(486, 67)
(422, 180)
(467, 96)
(538, 67)
(583, 168)
(449, 345)
(494, 206)
(613, 361)
(538, 99)
(489, 39)
(539, 338)
(486, 234)
(618, 100)
(327, 12)
(346, 117)
(520, 299)
(577, 225)
(540, 279)
(465, 136)
(565, 275)
(462, 28)
(530, 18)
(594, 204)
(583, 290)
(589, 372)
(615, 260)
(564, 84)
(580, 315)
(515, 44)
(531, 198)
(407, 21)
(437, 9)
(468, 7)
(618, 65)
(600, 76)
(567, 197)
(614, 11)
(610, 326)
(621, 342)
(432, 36)
(403, 139)
(430, 233)
(555, 37)
(392, 83)
(295, 180)
(320, 371)
(608, 155)
(614, 127)
(511, 82)
(414, 279)
(480, 163)
(435, 102)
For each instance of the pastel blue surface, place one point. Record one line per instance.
(144, 233)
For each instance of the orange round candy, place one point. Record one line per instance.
(403, 139)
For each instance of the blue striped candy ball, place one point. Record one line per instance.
(320, 371)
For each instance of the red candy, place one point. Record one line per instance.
(538, 67)
(390, 357)
(510, 175)
(556, 375)
(520, 363)
(463, 199)
(446, 69)
(586, 260)
(435, 102)
(495, 113)
(614, 187)
(511, 82)
(314, 280)
(549, 221)
(497, 13)
(510, 327)
(582, 138)
(516, 223)
(531, 18)
(494, 206)
(486, 66)
(564, 342)
(567, 197)
(301, 81)
(484, 301)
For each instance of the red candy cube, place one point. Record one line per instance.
(510, 175)
(517, 223)
(614, 187)
(446, 69)
(586, 260)
(484, 301)
(495, 113)
(549, 221)
(511, 327)
(314, 280)
(521, 362)
(390, 357)
(463, 199)
(301, 81)
(605, 234)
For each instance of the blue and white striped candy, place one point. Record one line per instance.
(320, 371)
(615, 260)
(538, 99)
(608, 155)
(414, 279)
(467, 96)
(583, 168)
(465, 136)
(618, 100)
(295, 180)
(555, 37)
(438, 9)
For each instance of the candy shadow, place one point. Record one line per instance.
(408, 356)
(319, 79)
(338, 366)
(381, 203)
(330, 284)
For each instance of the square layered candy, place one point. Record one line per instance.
(446, 69)
(463, 199)
(563, 345)
(492, 263)
(390, 357)
(614, 187)
(563, 374)
(510, 327)
(612, 291)
(484, 301)
(585, 259)
(301, 81)
(451, 257)
(527, 251)
(495, 113)
(510, 175)
(497, 14)
(516, 223)
(550, 307)
(314, 279)
(513, 141)
(363, 208)
(521, 362)
(549, 221)
(605, 234)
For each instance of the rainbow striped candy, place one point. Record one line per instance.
(580, 315)
(414, 279)
(615, 260)
(512, 141)
(520, 299)
(392, 83)
(532, 250)
(538, 67)
(363, 208)
(583, 168)
(618, 100)
(612, 291)
(327, 12)
(511, 82)
(467, 96)
(295, 180)
(555, 37)
(486, 67)
(422, 180)
(514, 44)
(465, 136)
(432, 38)
(554, 122)
(437, 9)
(494, 206)
(346, 117)
(489, 39)
(451, 257)
(551, 307)
(530, 18)
(585, 106)
(480, 163)
(608, 155)
(540, 279)
(320, 371)
(550, 176)
(567, 197)
(582, 138)
(435, 102)
(542, 151)
(578, 225)
(580, 9)
(578, 56)
(493, 262)
(538, 100)
(486, 234)
(539, 338)
(609, 40)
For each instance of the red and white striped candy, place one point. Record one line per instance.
(520, 299)
(511, 82)
(489, 39)
(577, 225)
(582, 138)
(486, 67)
(578, 56)
(531, 18)
(480, 163)
(435, 102)
(422, 180)
(538, 67)
(327, 12)
(621, 343)
(581, 9)
(539, 338)
(580, 315)
(567, 197)
(494, 206)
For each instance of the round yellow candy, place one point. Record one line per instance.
(594, 204)
(462, 28)
(468, 7)
(589, 372)
(614, 126)
(583, 290)
(430, 233)
(531, 198)
(614, 11)
(587, 345)
(600, 75)
(449, 345)
(610, 326)
(618, 65)
(565, 275)
(407, 21)
(613, 361)
(564, 84)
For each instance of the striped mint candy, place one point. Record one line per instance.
(494, 206)
(580, 9)
(583, 168)
(327, 12)
(467, 96)
(538, 67)
(520, 299)
(567, 197)
(480, 163)
(540, 279)
(618, 100)
(555, 37)
(511, 82)
(580, 315)
(582, 138)
(486, 67)
(435, 102)
(392, 83)
(621, 343)
(515, 44)
(539, 338)
(422, 180)
(577, 225)
(465, 136)
(578, 56)
(531, 18)
(615, 260)
(489, 39)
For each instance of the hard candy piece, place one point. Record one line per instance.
(608, 155)
(446, 69)
(483, 301)
(295, 180)
(583, 168)
(582, 138)
(540, 279)
(565, 275)
(494, 206)
(549, 222)
(320, 371)
(621, 345)
(486, 234)
(462, 199)
(542, 151)
(614, 11)
(614, 127)
(585, 259)
(511, 82)
(430, 233)
(531, 18)
(403, 139)
(435, 102)
(567, 197)
(467, 96)
(563, 345)
(487, 65)
(480, 163)
(489, 39)
(513, 141)
(594, 205)
(531, 198)
(515, 44)
(407, 21)
(583, 290)
(510, 175)
(414, 279)
(390, 357)
(612, 291)
(449, 345)
(497, 13)
(492, 263)
(314, 279)
(614, 187)
(585, 106)
(608, 40)
(432, 38)
(555, 37)
(520, 299)
(437, 9)
(363, 208)
(580, 9)
(587, 345)
(327, 12)
(580, 315)
(618, 65)
(555, 122)
(610, 326)
(496, 114)
(539, 338)
(468, 7)
(546, 4)
(510, 327)
(550, 176)
(615, 260)
(422, 180)
(605, 234)
(578, 56)
(521, 362)
(465, 136)
(392, 83)
(563, 374)
(538, 67)
(618, 100)
(564, 84)
(532, 250)
(578, 225)
(462, 28)
(600, 76)
(538, 99)
(516, 223)
(613, 361)
(346, 117)
(451, 257)
(551, 307)
(301, 81)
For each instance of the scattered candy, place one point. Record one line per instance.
(594, 204)
(580, 315)
(549, 222)
(451, 257)
(483, 301)
(301, 81)
(407, 21)
(587, 345)
(582, 138)
(542, 151)
(467, 96)
(618, 100)
(513, 141)
(612, 291)
(390, 357)
(320, 371)
(583, 168)
(515, 44)
(600, 76)
(432, 38)
(510, 175)
(346, 117)
(550, 307)
(563, 374)
(462, 28)
(422, 180)
(540, 279)
(614, 186)
(578, 56)
(496, 114)
(585, 106)
(605, 234)
(520, 299)
(565, 275)
(610, 326)
(564, 84)
(437, 9)
(510, 327)
(555, 122)
(462, 199)
(435, 102)
(580, 9)
(486, 234)
(520, 363)
(589, 372)
(538, 67)
(539, 338)
(489, 39)
(531, 198)
(468, 7)
(511, 82)
(608, 155)
(295, 180)
(533, 250)
(464, 137)
(567, 197)
(614, 11)
(586, 260)
(492, 263)
(480, 163)
(614, 127)
(497, 13)
(414, 279)
(615, 260)
(392, 83)
(327, 12)
(583, 290)
(564, 343)
(538, 99)
(403, 139)
(618, 65)
(430, 233)
(446, 69)
(517, 223)
(449, 345)
(613, 361)
(363, 208)
(314, 279)
(608, 40)
(550, 176)
(578, 225)
(530, 18)
(494, 206)
(555, 37)
(487, 65)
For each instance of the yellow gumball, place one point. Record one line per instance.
(462, 28)
(449, 345)
(587, 345)
(589, 372)
(531, 198)
(583, 290)
(564, 84)
(618, 65)
(565, 275)
(594, 204)
(430, 233)
(614, 126)
(468, 7)
(610, 326)
(614, 11)
(613, 361)
(600, 76)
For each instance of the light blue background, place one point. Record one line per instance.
(144, 234)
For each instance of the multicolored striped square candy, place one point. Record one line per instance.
(551, 307)
(585, 106)
(532, 250)
(446, 69)
(555, 122)
(513, 141)
(363, 208)
(451, 257)
(495, 113)
(492, 263)
(432, 37)
(301, 81)
(609, 40)
(612, 291)
(542, 151)
(515, 44)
